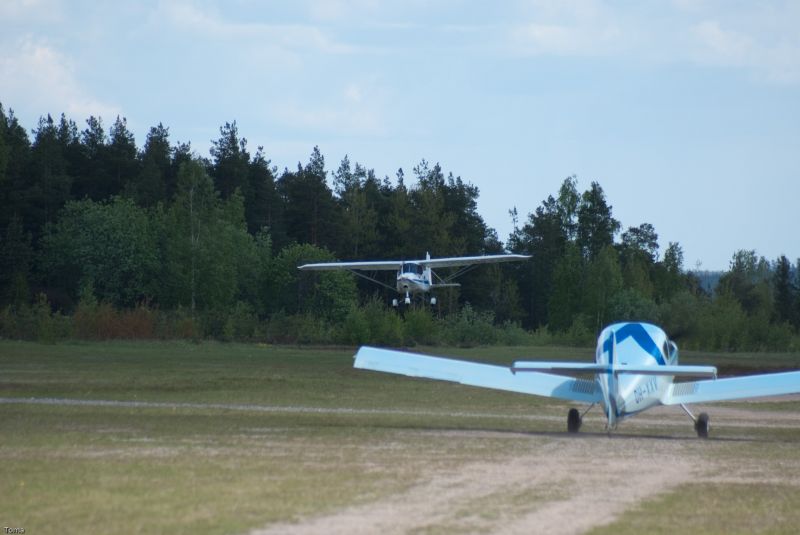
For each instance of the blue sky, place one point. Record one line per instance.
(686, 112)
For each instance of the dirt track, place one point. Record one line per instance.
(565, 484)
(561, 490)
(539, 482)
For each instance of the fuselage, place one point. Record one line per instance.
(413, 278)
(633, 344)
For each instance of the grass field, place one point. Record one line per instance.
(173, 437)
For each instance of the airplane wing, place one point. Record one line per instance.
(381, 265)
(476, 374)
(770, 384)
(470, 260)
(396, 264)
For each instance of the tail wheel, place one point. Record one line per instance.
(573, 420)
(701, 425)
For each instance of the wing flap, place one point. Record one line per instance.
(476, 374)
(771, 384)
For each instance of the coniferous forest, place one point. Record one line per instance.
(101, 238)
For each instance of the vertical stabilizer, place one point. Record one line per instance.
(428, 275)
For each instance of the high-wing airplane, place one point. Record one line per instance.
(635, 369)
(416, 276)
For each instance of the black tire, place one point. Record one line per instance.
(573, 421)
(702, 425)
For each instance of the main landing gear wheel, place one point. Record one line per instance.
(701, 425)
(573, 420)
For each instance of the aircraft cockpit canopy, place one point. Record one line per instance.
(670, 351)
(411, 267)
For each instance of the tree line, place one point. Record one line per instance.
(99, 232)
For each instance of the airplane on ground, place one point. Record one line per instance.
(635, 368)
(416, 276)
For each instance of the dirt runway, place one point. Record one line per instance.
(562, 484)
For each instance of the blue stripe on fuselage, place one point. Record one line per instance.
(639, 335)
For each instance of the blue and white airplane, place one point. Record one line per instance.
(635, 369)
(415, 276)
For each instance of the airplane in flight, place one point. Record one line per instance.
(635, 369)
(416, 276)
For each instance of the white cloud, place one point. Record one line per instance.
(557, 39)
(210, 23)
(29, 10)
(717, 45)
(723, 46)
(568, 28)
(337, 10)
(37, 74)
(354, 110)
(759, 38)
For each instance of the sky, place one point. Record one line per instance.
(687, 113)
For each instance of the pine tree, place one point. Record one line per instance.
(596, 226)
(785, 292)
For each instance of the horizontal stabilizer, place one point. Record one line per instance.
(581, 367)
(476, 374)
(752, 386)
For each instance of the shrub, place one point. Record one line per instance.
(282, 328)
(35, 322)
(470, 328)
(512, 334)
(355, 329)
(420, 327)
(385, 325)
(241, 323)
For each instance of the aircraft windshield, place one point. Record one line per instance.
(669, 349)
(412, 268)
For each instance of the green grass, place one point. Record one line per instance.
(232, 373)
(714, 508)
(199, 469)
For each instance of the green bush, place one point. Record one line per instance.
(630, 305)
(578, 334)
(282, 328)
(420, 327)
(35, 322)
(470, 328)
(178, 323)
(354, 330)
(512, 334)
(241, 323)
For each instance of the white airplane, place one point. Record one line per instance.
(415, 276)
(634, 370)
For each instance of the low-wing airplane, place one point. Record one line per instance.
(635, 368)
(416, 276)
